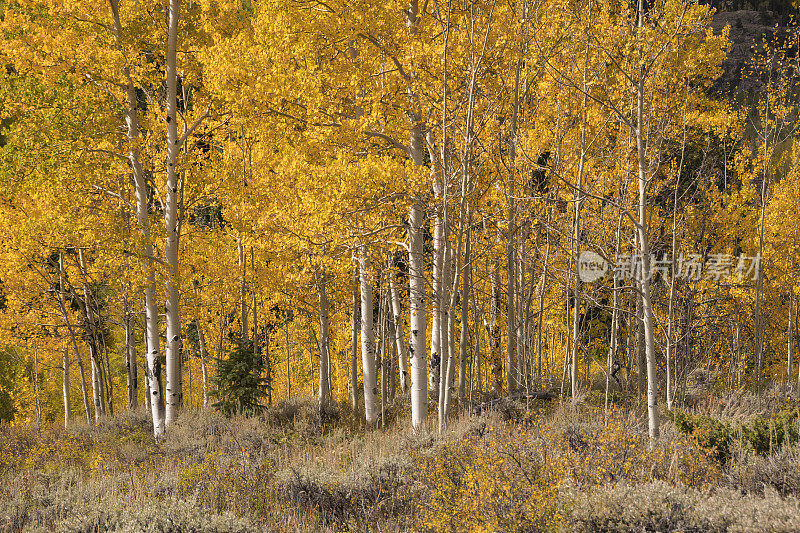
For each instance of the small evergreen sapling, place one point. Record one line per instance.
(240, 385)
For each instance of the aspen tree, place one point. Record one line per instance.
(324, 392)
(368, 339)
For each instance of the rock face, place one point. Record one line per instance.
(746, 29)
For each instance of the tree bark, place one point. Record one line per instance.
(153, 364)
(65, 384)
(243, 290)
(324, 393)
(494, 333)
(130, 359)
(354, 327)
(417, 346)
(203, 355)
(463, 339)
(644, 250)
(436, 311)
(400, 344)
(368, 340)
(174, 382)
(789, 346)
(72, 335)
(90, 326)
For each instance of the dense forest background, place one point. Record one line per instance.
(214, 183)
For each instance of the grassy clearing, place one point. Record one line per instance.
(521, 467)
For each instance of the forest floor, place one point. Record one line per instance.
(729, 464)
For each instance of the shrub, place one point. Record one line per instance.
(762, 433)
(660, 507)
(359, 501)
(753, 473)
(153, 516)
(709, 432)
(495, 483)
(765, 434)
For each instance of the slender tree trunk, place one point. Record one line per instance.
(355, 325)
(540, 316)
(671, 305)
(463, 340)
(798, 369)
(417, 346)
(368, 340)
(73, 336)
(400, 344)
(576, 237)
(383, 320)
(35, 382)
(789, 346)
(391, 347)
(65, 384)
(641, 362)
(444, 325)
(130, 359)
(107, 381)
(476, 376)
(436, 312)
(758, 326)
(243, 290)
(393, 356)
(147, 401)
(494, 334)
(613, 349)
(324, 393)
(670, 308)
(417, 342)
(612, 344)
(174, 383)
(644, 249)
(267, 358)
(203, 355)
(98, 393)
(288, 367)
(153, 364)
(97, 389)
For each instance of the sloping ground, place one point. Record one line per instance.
(746, 29)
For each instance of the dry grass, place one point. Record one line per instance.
(521, 466)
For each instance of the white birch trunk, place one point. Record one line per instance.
(324, 393)
(417, 346)
(444, 336)
(153, 365)
(417, 341)
(65, 385)
(644, 250)
(243, 311)
(463, 340)
(130, 357)
(354, 326)
(73, 337)
(576, 334)
(400, 344)
(203, 355)
(789, 354)
(174, 382)
(368, 341)
(94, 345)
(436, 311)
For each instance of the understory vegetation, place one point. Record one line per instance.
(521, 466)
